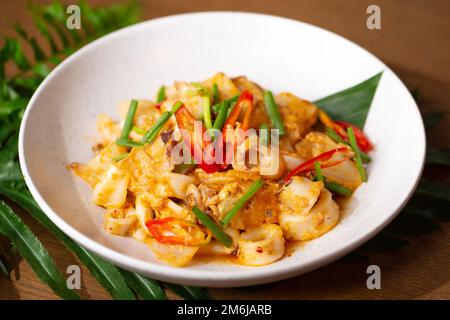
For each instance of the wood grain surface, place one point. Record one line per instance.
(414, 42)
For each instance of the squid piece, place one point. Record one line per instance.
(261, 245)
(176, 255)
(321, 219)
(215, 247)
(271, 162)
(292, 160)
(194, 197)
(298, 115)
(143, 210)
(188, 93)
(164, 207)
(119, 222)
(344, 173)
(242, 83)
(145, 117)
(103, 160)
(108, 129)
(172, 184)
(85, 173)
(227, 88)
(300, 195)
(111, 190)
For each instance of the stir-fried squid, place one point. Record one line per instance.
(223, 168)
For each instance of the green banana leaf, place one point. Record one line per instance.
(352, 104)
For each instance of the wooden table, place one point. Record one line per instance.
(414, 42)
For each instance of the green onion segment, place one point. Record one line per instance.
(240, 203)
(354, 145)
(128, 124)
(216, 230)
(151, 134)
(273, 112)
(161, 96)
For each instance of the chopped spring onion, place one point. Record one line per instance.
(120, 157)
(233, 98)
(207, 112)
(138, 130)
(273, 112)
(201, 90)
(240, 203)
(153, 132)
(354, 145)
(161, 96)
(215, 92)
(333, 135)
(128, 124)
(216, 107)
(216, 230)
(319, 174)
(128, 143)
(330, 185)
(338, 188)
(221, 115)
(264, 134)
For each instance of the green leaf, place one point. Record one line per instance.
(411, 224)
(352, 104)
(10, 171)
(9, 151)
(102, 20)
(38, 52)
(42, 27)
(429, 207)
(3, 268)
(188, 292)
(54, 15)
(11, 106)
(355, 256)
(5, 130)
(147, 289)
(41, 69)
(12, 50)
(430, 119)
(384, 242)
(30, 84)
(439, 156)
(32, 250)
(106, 274)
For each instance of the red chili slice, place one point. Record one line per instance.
(362, 140)
(321, 158)
(195, 144)
(246, 97)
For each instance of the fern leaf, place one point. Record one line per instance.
(38, 52)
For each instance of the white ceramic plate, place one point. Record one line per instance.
(277, 53)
